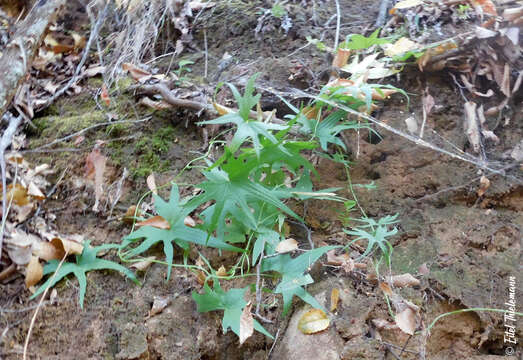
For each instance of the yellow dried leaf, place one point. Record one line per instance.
(385, 288)
(144, 264)
(484, 184)
(64, 245)
(406, 321)
(335, 298)
(221, 271)
(33, 272)
(222, 110)
(189, 221)
(313, 321)
(404, 280)
(35, 192)
(17, 194)
(401, 46)
(246, 323)
(286, 246)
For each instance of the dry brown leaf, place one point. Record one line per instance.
(151, 184)
(34, 272)
(484, 184)
(19, 247)
(385, 288)
(287, 245)
(404, 280)
(144, 264)
(343, 260)
(71, 245)
(342, 55)
(313, 321)
(335, 298)
(189, 221)
(406, 321)
(222, 110)
(156, 221)
(221, 271)
(401, 46)
(46, 251)
(35, 192)
(159, 303)
(104, 95)
(136, 73)
(17, 194)
(246, 323)
(95, 165)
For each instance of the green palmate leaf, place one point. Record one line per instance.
(376, 235)
(231, 195)
(265, 238)
(247, 128)
(359, 42)
(178, 232)
(85, 262)
(231, 302)
(293, 275)
(327, 130)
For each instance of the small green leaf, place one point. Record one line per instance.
(231, 302)
(85, 262)
(359, 42)
(293, 277)
(178, 232)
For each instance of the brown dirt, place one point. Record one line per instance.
(471, 245)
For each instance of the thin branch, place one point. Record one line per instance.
(338, 25)
(26, 345)
(5, 141)
(93, 35)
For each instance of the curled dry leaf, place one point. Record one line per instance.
(246, 323)
(222, 110)
(221, 271)
(341, 58)
(404, 280)
(71, 246)
(136, 73)
(287, 245)
(401, 46)
(33, 272)
(406, 321)
(19, 247)
(335, 298)
(131, 214)
(313, 321)
(484, 184)
(157, 222)
(151, 183)
(144, 264)
(343, 260)
(385, 288)
(159, 304)
(189, 221)
(34, 191)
